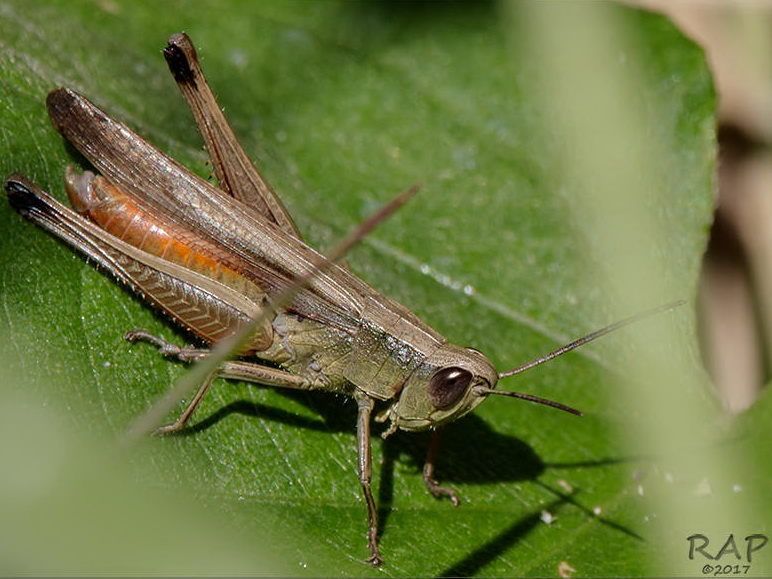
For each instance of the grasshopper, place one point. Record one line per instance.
(211, 258)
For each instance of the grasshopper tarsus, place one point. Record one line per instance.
(168, 430)
(440, 491)
(165, 348)
(143, 336)
(375, 559)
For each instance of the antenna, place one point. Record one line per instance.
(589, 338)
(482, 391)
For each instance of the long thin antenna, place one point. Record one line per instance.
(482, 391)
(588, 338)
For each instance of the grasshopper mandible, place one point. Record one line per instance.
(212, 257)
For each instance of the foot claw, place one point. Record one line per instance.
(167, 430)
(165, 348)
(374, 560)
(440, 491)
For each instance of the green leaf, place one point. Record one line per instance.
(342, 104)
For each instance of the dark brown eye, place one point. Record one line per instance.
(447, 386)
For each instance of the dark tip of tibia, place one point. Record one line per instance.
(20, 197)
(176, 55)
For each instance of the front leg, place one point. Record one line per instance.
(366, 404)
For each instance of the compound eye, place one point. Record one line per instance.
(448, 385)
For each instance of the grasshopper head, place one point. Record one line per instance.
(450, 383)
(452, 380)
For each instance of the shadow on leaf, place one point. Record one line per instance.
(471, 452)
